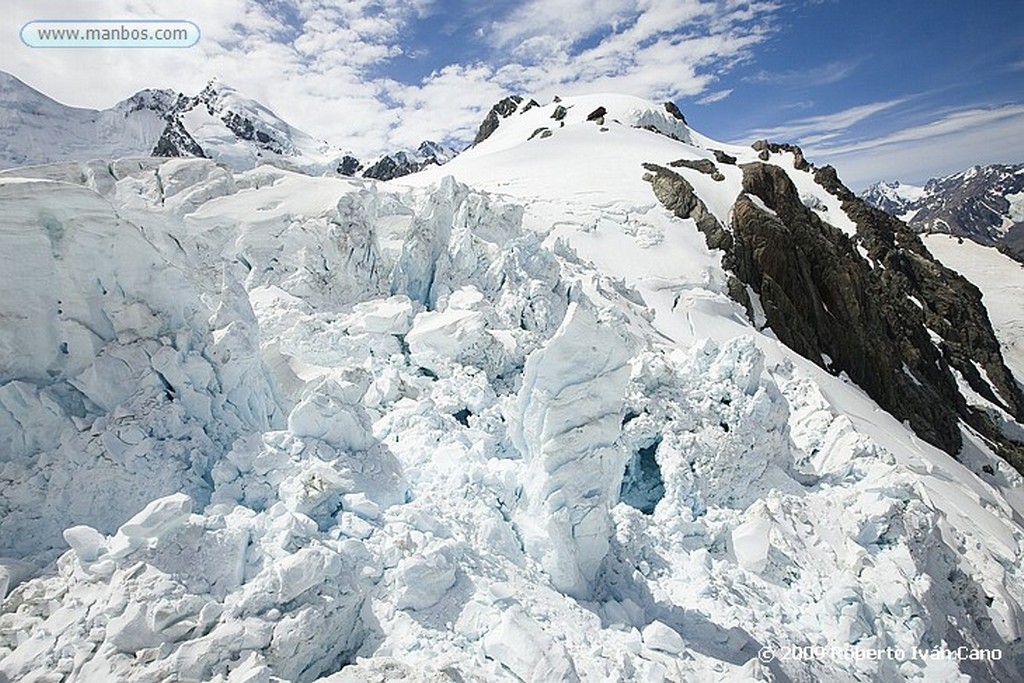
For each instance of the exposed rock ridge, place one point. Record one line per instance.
(829, 304)
(821, 297)
(678, 196)
(768, 148)
(403, 163)
(175, 141)
(953, 309)
(502, 110)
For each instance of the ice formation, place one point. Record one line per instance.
(505, 425)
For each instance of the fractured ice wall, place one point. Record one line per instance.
(568, 416)
(120, 379)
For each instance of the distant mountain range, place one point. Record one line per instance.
(983, 203)
(217, 123)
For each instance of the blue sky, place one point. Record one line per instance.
(902, 89)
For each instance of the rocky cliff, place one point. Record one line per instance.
(874, 305)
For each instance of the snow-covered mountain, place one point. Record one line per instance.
(984, 203)
(35, 129)
(402, 163)
(221, 124)
(893, 197)
(218, 123)
(598, 399)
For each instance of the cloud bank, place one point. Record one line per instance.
(333, 68)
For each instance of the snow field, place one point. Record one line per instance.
(360, 431)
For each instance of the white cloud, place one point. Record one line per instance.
(824, 74)
(661, 49)
(951, 124)
(541, 28)
(952, 142)
(716, 96)
(826, 126)
(317, 63)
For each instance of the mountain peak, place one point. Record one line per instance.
(984, 203)
(510, 122)
(405, 162)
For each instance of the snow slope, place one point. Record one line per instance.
(493, 421)
(35, 129)
(1001, 281)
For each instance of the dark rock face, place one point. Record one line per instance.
(678, 196)
(245, 129)
(401, 164)
(559, 113)
(541, 133)
(389, 167)
(705, 166)
(598, 115)
(349, 166)
(765, 148)
(674, 111)
(1012, 243)
(953, 309)
(821, 297)
(502, 110)
(176, 142)
(724, 158)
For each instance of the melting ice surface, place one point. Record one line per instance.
(505, 425)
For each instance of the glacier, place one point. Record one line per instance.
(497, 420)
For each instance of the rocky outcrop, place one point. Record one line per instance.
(400, 164)
(953, 309)
(827, 302)
(820, 297)
(672, 109)
(1012, 243)
(705, 166)
(502, 110)
(598, 115)
(245, 129)
(768, 148)
(175, 141)
(349, 165)
(678, 196)
(391, 166)
(723, 158)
